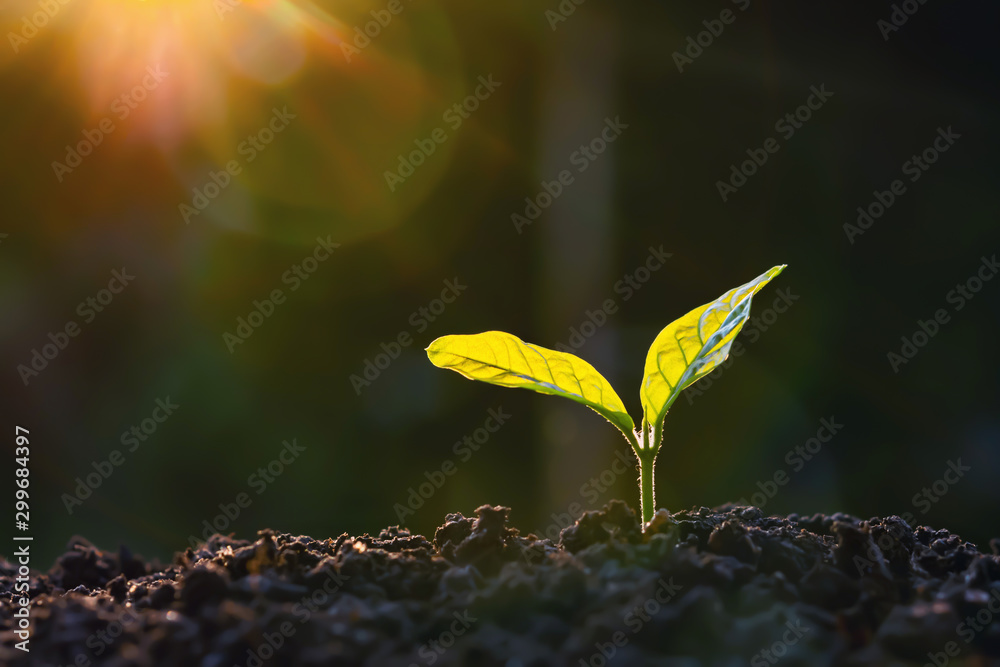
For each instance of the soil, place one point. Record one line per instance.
(725, 586)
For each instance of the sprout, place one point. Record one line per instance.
(684, 352)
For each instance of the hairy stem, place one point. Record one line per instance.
(652, 438)
(648, 497)
(647, 457)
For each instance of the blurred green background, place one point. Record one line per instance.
(655, 186)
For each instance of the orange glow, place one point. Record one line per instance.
(199, 45)
(208, 50)
(177, 88)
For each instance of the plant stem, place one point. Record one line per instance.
(647, 458)
(652, 437)
(645, 446)
(648, 495)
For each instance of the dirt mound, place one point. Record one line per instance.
(716, 587)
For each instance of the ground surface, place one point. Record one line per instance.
(703, 587)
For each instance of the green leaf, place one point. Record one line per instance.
(691, 347)
(500, 358)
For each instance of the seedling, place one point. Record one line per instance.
(685, 351)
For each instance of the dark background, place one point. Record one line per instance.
(324, 175)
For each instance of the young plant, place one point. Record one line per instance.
(685, 351)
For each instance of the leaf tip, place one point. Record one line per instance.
(434, 348)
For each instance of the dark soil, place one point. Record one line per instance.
(703, 587)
